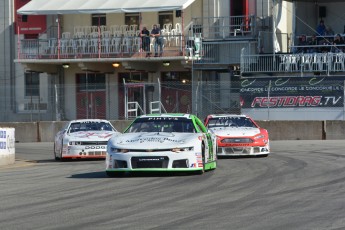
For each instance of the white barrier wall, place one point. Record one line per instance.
(7, 147)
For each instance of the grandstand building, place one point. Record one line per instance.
(67, 61)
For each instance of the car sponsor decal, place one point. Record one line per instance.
(153, 139)
(92, 134)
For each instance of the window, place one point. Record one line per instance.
(184, 77)
(165, 17)
(99, 19)
(90, 82)
(32, 84)
(133, 77)
(132, 19)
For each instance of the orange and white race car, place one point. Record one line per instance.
(238, 135)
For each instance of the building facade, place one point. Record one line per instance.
(214, 50)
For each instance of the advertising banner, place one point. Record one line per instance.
(7, 146)
(292, 92)
(33, 24)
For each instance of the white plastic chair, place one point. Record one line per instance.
(115, 44)
(93, 42)
(338, 64)
(306, 61)
(126, 44)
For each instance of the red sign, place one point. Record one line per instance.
(28, 24)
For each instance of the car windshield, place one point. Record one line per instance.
(90, 126)
(230, 122)
(159, 124)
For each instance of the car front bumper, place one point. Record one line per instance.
(243, 151)
(157, 161)
(84, 151)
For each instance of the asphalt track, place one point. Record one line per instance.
(301, 185)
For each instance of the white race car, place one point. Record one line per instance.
(85, 138)
(164, 142)
(238, 135)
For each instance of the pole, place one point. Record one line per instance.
(87, 95)
(58, 21)
(268, 99)
(31, 106)
(274, 30)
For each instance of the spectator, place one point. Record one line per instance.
(303, 44)
(313, 45)
(145, 41)
(156, 33)
(321, 29)
(329, 31)
(338, 43)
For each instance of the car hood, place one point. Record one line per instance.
(155, 140)
(91, 135)
(235, 131)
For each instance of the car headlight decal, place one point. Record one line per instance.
(177, 150)
(260, 136)
(116, 150)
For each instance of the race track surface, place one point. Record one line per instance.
(301, 185)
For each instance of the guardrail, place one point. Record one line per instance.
(326, 63)
(293, 130)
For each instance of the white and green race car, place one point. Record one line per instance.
(162, 142)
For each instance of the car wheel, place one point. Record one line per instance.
(200, 172)
(61, 159)
(55, 156)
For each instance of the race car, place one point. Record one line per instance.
(162, 143)
(84, 138)
(238, 135)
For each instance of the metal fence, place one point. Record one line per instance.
(309, 98)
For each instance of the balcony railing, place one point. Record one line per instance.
(98, 42)
(96, 47)
(324, 63)
(225, 27)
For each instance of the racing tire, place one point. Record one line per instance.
(201, 172)
(61, 159)
(56, 157)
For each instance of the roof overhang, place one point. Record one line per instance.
(49, 7)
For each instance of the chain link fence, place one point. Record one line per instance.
(309, 98)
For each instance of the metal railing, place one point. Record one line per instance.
(326, 63)
(291, 98)
(225, 27)
(97, 47)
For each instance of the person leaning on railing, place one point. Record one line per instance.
(156, 33)
(145, 41)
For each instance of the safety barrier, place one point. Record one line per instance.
(7, 146)
(278, 130)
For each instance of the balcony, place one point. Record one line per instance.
(91, 42)
(290, 64)
(95, 46)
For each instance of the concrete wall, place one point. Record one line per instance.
(294, 130)
(45, 131)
